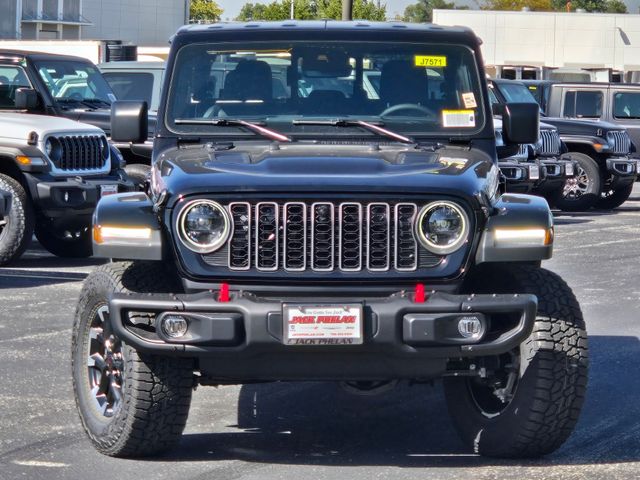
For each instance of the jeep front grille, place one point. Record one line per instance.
(80, 153)
(621, 142)
(323, 237)
(550, 140)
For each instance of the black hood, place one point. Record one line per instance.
(311, 169)
(572, 126)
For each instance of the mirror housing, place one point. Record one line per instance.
(520, 122)
(27, 99)
(129, 121)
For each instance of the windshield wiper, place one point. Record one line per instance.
(234, 122)
(97, 100)
(67, 101)
(345, 122)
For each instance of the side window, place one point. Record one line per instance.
(131, 85)
(626, 105)
(569, 109)
(589, 104)
(11, 79)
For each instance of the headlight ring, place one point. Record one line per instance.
(204, 226)
(442, 227)
(53, 149)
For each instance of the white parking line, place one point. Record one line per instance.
(37, 463)
(45, 276)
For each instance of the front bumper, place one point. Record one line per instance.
(622, 167)
(521, 177)
(242, 339)
(73, 195)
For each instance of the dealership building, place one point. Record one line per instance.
(141, 22)
(532, 43)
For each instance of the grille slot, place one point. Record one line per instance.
(406, 246)
(267, 233)
(550, 142)
(302, 236)
(294, 246)
(350, 233)
(240, 244)
(621, 142)
(378, 237)
(322, 236)
(80, 153)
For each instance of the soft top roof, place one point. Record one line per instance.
(22, 54)
(328, 29)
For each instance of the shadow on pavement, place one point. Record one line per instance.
(320, 424)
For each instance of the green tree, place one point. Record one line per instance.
(422, 11)
(204, 11)
(615, 6)
(311, 9)
(533, 5)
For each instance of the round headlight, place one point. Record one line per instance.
(204, 226)
(53, 149)
(442, 227)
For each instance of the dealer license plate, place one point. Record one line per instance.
(108, 190)
(322, 324)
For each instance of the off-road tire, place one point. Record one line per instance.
(63, 246)
(614, 198)
(16, 234)
(139, 174)
(592, 193)
(156, 391)
(553, 373)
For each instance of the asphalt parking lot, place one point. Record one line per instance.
(315, 430)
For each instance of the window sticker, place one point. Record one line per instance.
(430, 61)
(469, 100)
(458, 118)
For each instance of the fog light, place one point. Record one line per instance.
(174, 326)
(470, 326)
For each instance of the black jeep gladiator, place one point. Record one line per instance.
(329, 235)
(605, 171)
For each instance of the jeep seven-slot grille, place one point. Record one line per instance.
(80, 153)
(550, 140)
(621, 142)
(323, 237)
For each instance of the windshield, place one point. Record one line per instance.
(74, 81)
(516, 93)
(12, 78)
(415, 89)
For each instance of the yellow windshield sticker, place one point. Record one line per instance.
(430, 61)
(458, 118)
(532, 87)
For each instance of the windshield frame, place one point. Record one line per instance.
(39, 64)
(278, 121)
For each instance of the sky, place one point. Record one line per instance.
(232, 7)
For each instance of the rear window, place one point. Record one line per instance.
(582, 104)
(131, 85)
(11, 79)
(626, 105)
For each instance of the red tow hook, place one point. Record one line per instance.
(223, 296)
(419, 296)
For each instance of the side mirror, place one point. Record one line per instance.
(129, 121)
(27, 99)
(520, 122)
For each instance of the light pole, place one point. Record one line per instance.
(292, 1)
(347, 9)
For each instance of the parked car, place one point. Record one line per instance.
(55, 170)
(605, 171)
(535, 168)
(70, 87)
(329, 236)
(140, 81)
